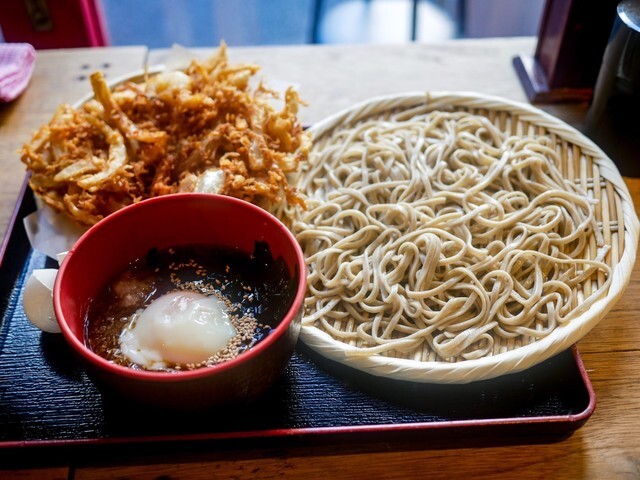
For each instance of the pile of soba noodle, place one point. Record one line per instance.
(436, 236)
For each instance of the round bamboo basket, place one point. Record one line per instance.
(581, 162)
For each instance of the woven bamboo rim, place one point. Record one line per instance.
(582, 161)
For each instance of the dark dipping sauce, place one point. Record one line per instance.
(256, 288)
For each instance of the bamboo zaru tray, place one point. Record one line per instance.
(356, 155)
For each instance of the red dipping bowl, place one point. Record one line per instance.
(108, 247)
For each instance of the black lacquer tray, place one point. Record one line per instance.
(47, 401)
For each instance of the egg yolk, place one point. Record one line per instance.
(177, 328)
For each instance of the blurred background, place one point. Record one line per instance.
(161, 23)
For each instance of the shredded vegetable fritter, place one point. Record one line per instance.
(204, 129)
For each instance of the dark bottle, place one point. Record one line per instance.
(613, 119)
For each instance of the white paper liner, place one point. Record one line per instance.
(51, 233)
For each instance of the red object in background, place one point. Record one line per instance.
(53, 23)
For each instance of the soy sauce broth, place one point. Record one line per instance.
(255, 287)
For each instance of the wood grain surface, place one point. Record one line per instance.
(332, 78)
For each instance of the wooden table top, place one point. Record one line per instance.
(330, 78)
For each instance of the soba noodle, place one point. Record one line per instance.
(436, 235)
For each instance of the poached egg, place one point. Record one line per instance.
(180, 327)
